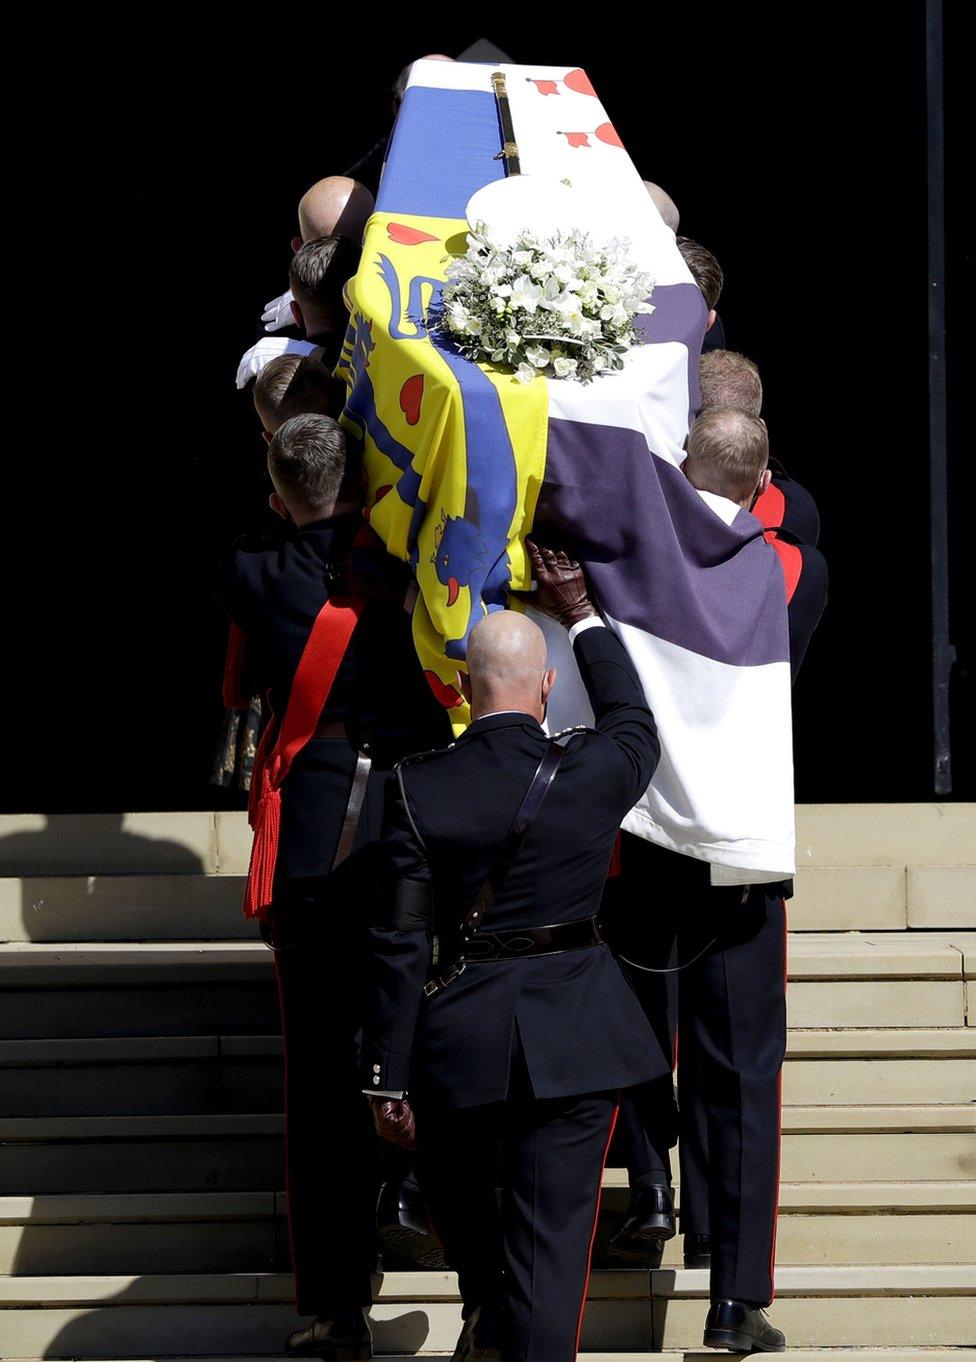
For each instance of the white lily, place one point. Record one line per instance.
(525, 293)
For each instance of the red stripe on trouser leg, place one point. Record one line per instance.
(596, 1220)
(779, 1131)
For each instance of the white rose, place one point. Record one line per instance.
(525, 373)
(537, 355)
(521, 257)
(564, 368)
(473, 326)
(512, 340)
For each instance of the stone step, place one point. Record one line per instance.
(147, 1075)
(240, 1231)
(95, 907)
(140, 1153)
(682, 1355)
(633, 1311)
(153, 1075)
(902, 1044)
(44, 1155)
(175, 843)
(812, 956)
(883, 897)
(195, 905)
(83, 988)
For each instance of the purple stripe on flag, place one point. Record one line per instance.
(679, 314)
(659, 557)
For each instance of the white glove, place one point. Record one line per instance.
(278, 314)
(265, 351)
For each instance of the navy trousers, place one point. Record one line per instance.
(731, 1042)
(334, 1162)
(525, 1260)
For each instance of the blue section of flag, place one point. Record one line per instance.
(468, 546)
(442, 150)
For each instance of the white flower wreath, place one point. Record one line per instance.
(559, 306)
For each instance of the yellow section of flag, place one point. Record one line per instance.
(454, 451)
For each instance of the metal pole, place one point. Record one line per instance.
(943, 653)
(509, 152)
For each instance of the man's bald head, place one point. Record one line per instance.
(507, 665)
(664, 204)
(335, 206)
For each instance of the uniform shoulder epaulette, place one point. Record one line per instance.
(573, 730)
(418, 757)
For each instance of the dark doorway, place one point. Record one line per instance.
(160, 211)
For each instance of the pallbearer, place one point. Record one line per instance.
(349, 698)
(521, 1025)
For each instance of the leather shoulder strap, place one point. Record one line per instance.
(528, 810)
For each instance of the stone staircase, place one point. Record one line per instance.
(140, 1096)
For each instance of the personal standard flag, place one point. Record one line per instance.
(464, 461)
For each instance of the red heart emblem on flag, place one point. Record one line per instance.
(447, 695)
(411, 398)
(577, 139)
(579, 82)
(381, 492)
(545, 87)
(407, 236)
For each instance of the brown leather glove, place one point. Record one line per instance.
(394, 1120)
(561, 586)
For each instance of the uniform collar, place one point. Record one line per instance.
(509, 718)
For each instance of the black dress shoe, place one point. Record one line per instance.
(340, 1337)
(741, 1328)
(404, 1233)
(698, 1250)
(480, 1338)
(648, 1224)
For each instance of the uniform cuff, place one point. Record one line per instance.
(373, 1092)
(591, 622)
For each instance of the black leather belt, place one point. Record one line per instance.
(522, 944)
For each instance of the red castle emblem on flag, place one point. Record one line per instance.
(606, 132)
(577, 81)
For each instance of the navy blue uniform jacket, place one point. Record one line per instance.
(579, 1024)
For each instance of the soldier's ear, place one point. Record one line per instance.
(464, 685)
(548, 681)
(278, 506)
(712, 314)
(296, 312)
(296, 244)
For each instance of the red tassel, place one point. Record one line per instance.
(259, 772)
(264, 852)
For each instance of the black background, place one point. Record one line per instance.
(158, 195)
